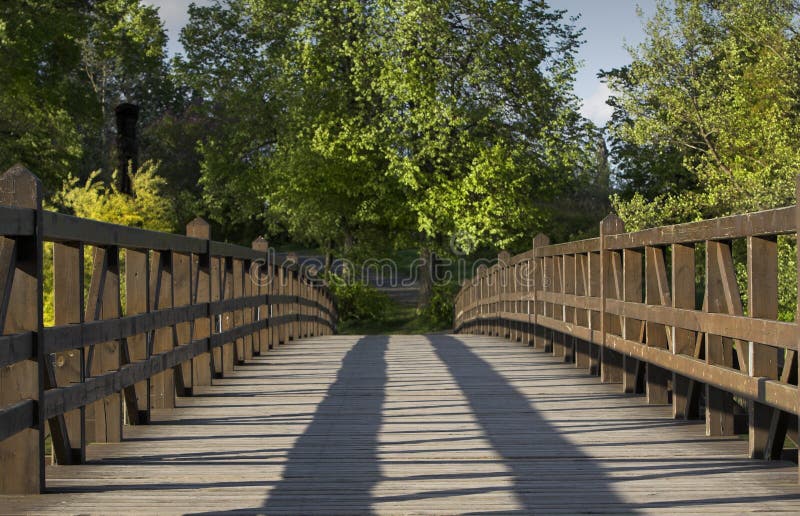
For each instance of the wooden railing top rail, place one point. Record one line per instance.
(59, 227)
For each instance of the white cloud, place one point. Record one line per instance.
(595, 108)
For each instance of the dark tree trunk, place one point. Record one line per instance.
(127, 145)
(425, 275)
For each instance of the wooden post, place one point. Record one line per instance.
(22, 455)
(582, 347)
(104, 417)
(719, 351)
(162, 385)
(281, 307)
(242, 353)
(68, 307)
(503, 327)
(656, 293)
(138, 301)
(568, 287)
(294, 325)
(762, 295)
(261, 276)
(201, 293)
(530, 298)
(229, 357)
(216, 271)
(610, 288)
(633, 329)
(558, 308)
(595, 317)
(274, 289)
(182, 295)
(685, 392)
(548, 287)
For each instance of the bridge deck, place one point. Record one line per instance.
(411, 424)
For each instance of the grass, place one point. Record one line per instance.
(399, 320)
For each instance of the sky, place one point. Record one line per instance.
(609, 24)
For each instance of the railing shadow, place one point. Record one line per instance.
(340, 442)
(507, 418)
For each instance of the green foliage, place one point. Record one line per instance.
(41, 97)
(438, 312)
(358, 301)
(709, 100)
(389, 123)
(146, 208)
(706, 120)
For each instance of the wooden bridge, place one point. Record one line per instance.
(620, 374)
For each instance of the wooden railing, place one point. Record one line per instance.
(159, 315)
(660, 312)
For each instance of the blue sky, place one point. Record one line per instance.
(609, 24)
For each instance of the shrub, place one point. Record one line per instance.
(147, 209)
(439, 311)
(358, 301)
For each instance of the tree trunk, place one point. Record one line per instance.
(425, 275)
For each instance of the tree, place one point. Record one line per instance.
(233, 49)
(390, 122)
(65, 67)
(715, 83)
(40, 95)
(123, 59)
(476, 116)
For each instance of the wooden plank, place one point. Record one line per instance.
(568, 285)
(768, 392)
(58, 227)
(719, 350)
(216, 321)
(558, 307)
(595, 316)
(229, 357)
(162, 385)
(68, 308)
(62, 338)
(575, 247)
(764, 223)
(17, 221)
(16, 418)
(238, 277)
(777, 333)
(16, 348)
(224, 249)
(108, 412)
(182, 332)
(610, 288)
(488, 427)
(57, 401)
(656, 293)
(138, 339)
(201, 327)
(685, 392)
(582, 351)
(632, 327)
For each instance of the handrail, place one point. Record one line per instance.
(160, 315)
(625, 306)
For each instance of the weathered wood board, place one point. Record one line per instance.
(411, 425)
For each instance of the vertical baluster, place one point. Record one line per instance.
(762, 290)
(201, 293)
